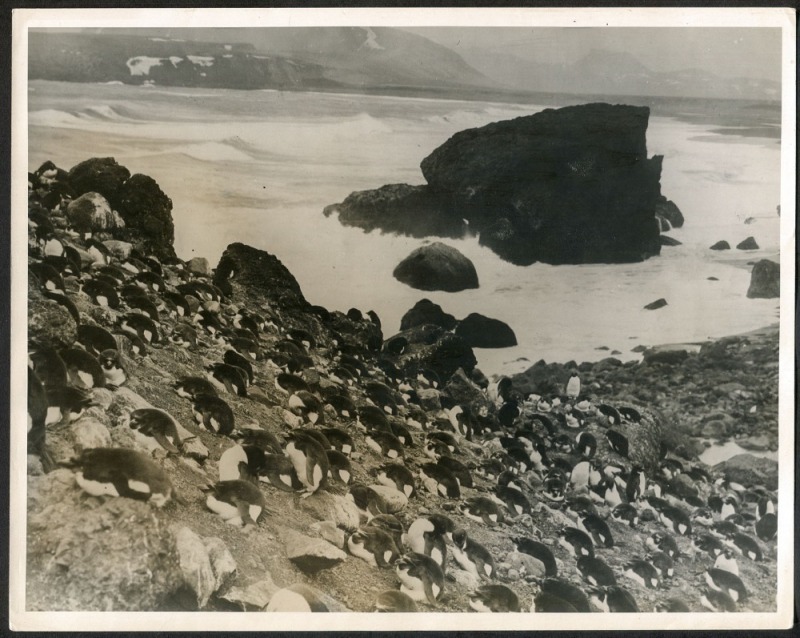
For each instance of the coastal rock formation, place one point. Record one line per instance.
(668, 214)
(655, 305)
(425, 311)
(765, 280)
(720, 245)
(99, 174)
(570, 185)
(437, 266)
(484, 332)
(147, 212)
(91, 213)
(747, 244)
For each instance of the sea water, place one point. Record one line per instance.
(258, 167)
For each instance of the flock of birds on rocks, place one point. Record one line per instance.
(501, 469)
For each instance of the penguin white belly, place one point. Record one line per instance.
(478, 605)
(86, 378)
(53, 415)
(464, 562)
(229, 463)
(95, 488)
(226, 511)
(359, 551)
(415, 590)
(115, 376)
(138, 486)
(436, 554)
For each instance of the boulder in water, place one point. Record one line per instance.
(666, 240)
(721, 245)
(437, 266)
(655, 305)
(765, 280)
(668, 214)
(747, 244)
(425, 311)
(483, 332)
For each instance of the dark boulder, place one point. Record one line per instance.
(747, 244)
(99, 174)
(765, 280)
(437, 266)
(665, 356)
(750, 471)
(483, 332)
(147, 213)
(667, 211)
(721, 245)
(655, 305)
(666, 240)
(431, 347)
(425, 311)
(570, 185)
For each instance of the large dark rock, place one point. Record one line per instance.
(655, 305)
(147, 212)
(667, 211)
(721, 245)
(765, 280)
(433, 348)
(99, 174)
(437, 266)
(750, 471)
(483, 332)
(570, 185)
(425, 311)
(747, 244)
(666, 240)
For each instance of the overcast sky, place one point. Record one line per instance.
(727, 52)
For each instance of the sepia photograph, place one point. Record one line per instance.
(427, 312)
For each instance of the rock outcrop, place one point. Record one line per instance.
(437, 266)
(720, 245)
(747, 244)
(425, 311)
(484, 332)
(570, 185)
(765, 280)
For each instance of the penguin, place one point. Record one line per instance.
(237, 502)
(584, 474)
(105, 471)
(213, 413)
(183, 335)
(635, 484)
(385, 444)
(66, 403)
(539, 551)
(581, 505)
(113, 370)
(595, 571)
(307, 406)
(703, 516)
(144, 305)
(95, 339)
(618, 442)
(578, 543)
(727, 561)
(83, 369)
(150, 281)
(37, 417)
(241, 462)
(339, 469)
(573, 387)
(428, 534)
(134, 344)
(277, 470)
(568, 592)
(630, 414)
(290, 383)
(420, 577)
(585, 445)
(344, 407)
(672, 606)
(101, 293)
(746, 545)
(626, 513)
(663, 542)
(708, 544)
(717, 601)
(157, 424)
(547, 603)
(610, 412)
(490, 469)
(613, 599)
(729, 507)
(494, 598)
(599, 530)
(643, 573)
(663, 564)
(66, 302)
(435, 449)
(141, 326)
(513, 500)
(233, 378)
(192, 387)
(766, 527)
(178, 302)
(483, 510)
(371, 502)
(99, 252)
(726, 582)
(394, 601)
(458, 469)
(371, 417)
(390, 524)
(49, 278)
(471, 556)
(402, 433)
(233, 358)
(309, 460)
(49, 367)
(374, 546)
(676, 519)
(764, 506)
(261, 439)
(397, 476)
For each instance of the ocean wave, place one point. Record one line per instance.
(213, 152)
(79, 118)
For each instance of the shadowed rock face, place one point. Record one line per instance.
(437, 267)
(484, 332)
(570, 185)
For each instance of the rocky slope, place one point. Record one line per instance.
(409, 400)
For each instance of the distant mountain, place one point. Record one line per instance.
(605, 72)
(299, 58)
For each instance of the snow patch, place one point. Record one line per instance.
(372, 40)
(141, 65)
(201, 60)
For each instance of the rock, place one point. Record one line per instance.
(85, 554)
(655, 305)
(758, 443)
(49, 323)
(393, 499)
(253, 597)
(92, 213)
(198, 577)
(311, 555)
(483, 332)
(102, 398)
(325, 506)
(198, 266)
(525, 565)
(463, 390)
(765, 280)
(447, 355)
(100, 174)
(329, 531)
(437, 266)
(147, 212)
(222, 563)
(667, 211)
(747, 244)
(119, 249)
(429, 399)
(665, 355)
(750, 471)
(466, 580)
(90, 433)
(194, 448)
(427, 312)
(721, 245)
(666, 240)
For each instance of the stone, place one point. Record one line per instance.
(325, 506)
(655, 305)
(464, 390)
(427, 312)
(437, 266)
(49, 323)
(765, 280)
(747, 244)
(666, 356)
(393, 500)
(483, 332)
(198, 577)
(721, 245)
(147, 212)
(90, 433)
(222, 563)
(121, 250)
(666, 240)
(429, 399)
(667, 211)
(100, 174)
(329, 531)
(312, 555)
(525, 565)
(92, 213)
(193, 447)
(253, 597)
(198, 266)
(750, 471)
(465, 579)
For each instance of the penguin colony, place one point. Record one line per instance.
(540, 485)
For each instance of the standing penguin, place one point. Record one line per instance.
(309, 460)
(157, 424)
(237, 502)
(494, 598)
(427, 534)
(420, 577)
(573, 385)
(472, 556)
